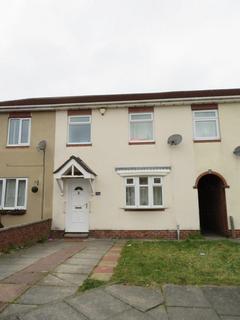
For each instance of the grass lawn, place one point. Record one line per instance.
(153, 263)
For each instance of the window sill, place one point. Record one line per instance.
(141, 142)
(206, 140)
(13, 212)
(79, 145)
(144, 209)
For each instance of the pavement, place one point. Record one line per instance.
(41, 283)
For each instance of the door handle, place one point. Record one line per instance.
(78, 207)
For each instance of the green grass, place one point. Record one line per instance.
(91, 284)
(153, 263)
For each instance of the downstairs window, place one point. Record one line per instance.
(144, 192)
(13, 193)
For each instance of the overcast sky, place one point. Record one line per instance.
(75, 47)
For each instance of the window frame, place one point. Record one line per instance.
(20, 132)
(202, 119)
(151, 184)
(2, 199)
(79, 123)
(131, 121)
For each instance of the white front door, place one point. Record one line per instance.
(77, 217)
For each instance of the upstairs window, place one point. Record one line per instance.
(144, 192)
(206, 125)
(79, 129)
(19, 131)
(141, 127)
(13, 193)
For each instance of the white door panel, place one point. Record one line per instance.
(77, 219)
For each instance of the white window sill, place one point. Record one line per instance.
(17, 145)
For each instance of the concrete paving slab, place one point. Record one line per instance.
(80, 262)
(140, 298)
(69, 268)
(12, 317)
(132, 315)
(9, 292)
(58, 311)
(72, 278)
(181, 313)
(158, 313)
(184, 296)
(229, 318)
(98, 305)
(16, 309)
(45, 294)
(51, 280)
(225, 300)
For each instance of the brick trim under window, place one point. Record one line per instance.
(204, 106)
(19, 115)
(79, 112)
(140, 109)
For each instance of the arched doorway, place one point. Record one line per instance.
(212, 204)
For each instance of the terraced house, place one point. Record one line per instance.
(130, 165)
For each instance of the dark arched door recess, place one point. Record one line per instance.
(212, 204)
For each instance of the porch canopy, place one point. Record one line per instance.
(74, 168)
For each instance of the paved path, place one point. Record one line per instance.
(119, 302)
(40, 283)
(46, 273)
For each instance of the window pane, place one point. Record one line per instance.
(143, 196)
(79, 119)
(130, 181)
(157, 196)
(10, 193)
(79, 133)
(143, 180)
(25, 131)
(21, 193)
(1, 187)
(206, 129)
(141, 130)
(136, 116)
(157, 180)
(205, 114)
(14, 131)
(130, 196)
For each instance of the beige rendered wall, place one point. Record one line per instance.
(110, 149)
(27, 162)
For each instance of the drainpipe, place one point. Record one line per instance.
(43, 183)
(42, 147)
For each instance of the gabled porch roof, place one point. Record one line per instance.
(74, 167)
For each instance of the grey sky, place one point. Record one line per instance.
(75, 47)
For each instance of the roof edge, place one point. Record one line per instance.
(54, 102)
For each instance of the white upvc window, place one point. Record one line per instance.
(206, 125)
(19, 131)
(141, 127)
(13, 193)
(79, 129)
(144, 192)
